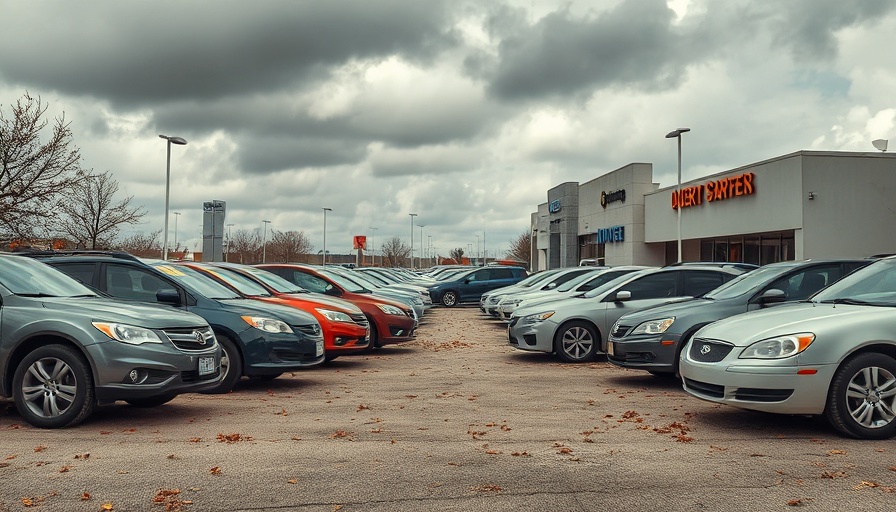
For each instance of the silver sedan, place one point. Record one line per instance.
(834, 355)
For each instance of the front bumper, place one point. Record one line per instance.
(654, 353)
(271, 353)
(775, 389)
(124, 372)
(537, 337)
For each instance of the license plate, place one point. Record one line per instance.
(207, 365)
(610, 348)
(320, 348)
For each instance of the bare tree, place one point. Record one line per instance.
(457, 254)
(34, 174)
(142, 245)
(521, 248)
(289, 247)
(395, 252)
(91, 217)
(245, 247)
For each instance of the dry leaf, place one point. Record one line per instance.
(27, 502)
(84, 456)
(85, 496)
(107, 507)
(40, 449)
(362, 407)
(837, 452)
(292, 481)
(215, 470)
(64, 469)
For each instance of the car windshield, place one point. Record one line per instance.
(237, 281)
(749, 282)
(30, 278)
(569, 285)
(195, 280)
(273, 281)
(874, 285)
(609, 285)
(374, 277)
(344, 282)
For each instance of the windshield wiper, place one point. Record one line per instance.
(855, 302)
(39, 294)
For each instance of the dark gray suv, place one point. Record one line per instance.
(64, 349)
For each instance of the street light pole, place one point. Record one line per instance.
(428, 249)
(477, 251)
(373, 245)
(264, 241)
(181, 142)
(420, 259)
(176, 216)
(677, 135)
(229, 242)
(325, 233)
(412, 237)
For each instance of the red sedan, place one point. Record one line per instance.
(390, 321)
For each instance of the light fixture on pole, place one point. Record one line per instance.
(264, 241)
(325, 233)
(412, 237)
(176, 216)
(373, 246)
(677, 135)
(171, 140)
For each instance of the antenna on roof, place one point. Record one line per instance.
(880, 144)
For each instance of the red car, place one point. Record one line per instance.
(345, 327)
(390, 321)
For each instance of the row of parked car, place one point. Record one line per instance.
(812, 337)
(85, 329)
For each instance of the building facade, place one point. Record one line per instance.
(807, 204)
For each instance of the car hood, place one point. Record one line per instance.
(288, 314)
(674, 308)
(138, 314)
(747, 328)
(326, 301)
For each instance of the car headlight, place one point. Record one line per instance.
(267, 324)
(390, 310)
(334, 316)
(127, 333)
(658, 326)
(536, 318)
(778, 347)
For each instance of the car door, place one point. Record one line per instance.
(474, 285)
(647, 290)
(130, 282)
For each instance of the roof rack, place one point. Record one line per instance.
(45, 253)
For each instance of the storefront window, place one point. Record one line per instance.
(771, 251)
(751, 250)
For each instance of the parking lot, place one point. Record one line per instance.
(455, 420)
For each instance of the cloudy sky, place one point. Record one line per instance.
(462, 111)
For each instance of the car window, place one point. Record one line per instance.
(479, 276)
(875, 284)
(132, 283)
(602, 279)
(699, 282)
(309, 282)
(804, 284)
(652, 286)
(82, 272)
(501, 273)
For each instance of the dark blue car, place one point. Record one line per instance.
(470, 285)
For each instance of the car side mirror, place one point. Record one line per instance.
(466, 281)
(772, 296)
(550, 286)
(623, 296)
(168, 296)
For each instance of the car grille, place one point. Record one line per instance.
(708, 351)
(762, 395)
(620, 331)
(311, 330)
(704, 388)
(191, 339)
(361, 320)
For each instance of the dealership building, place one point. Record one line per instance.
(807, 204)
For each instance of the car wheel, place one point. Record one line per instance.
(374, 335)
(449, 299)
(152, 401)
(576, 342)
(862, 397)
(231, 366)
(53, 387)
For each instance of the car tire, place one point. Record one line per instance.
(374, 335)
(231, 366)
(862, 397)
(53, 387)
(152, 401)
(576, 342)
(449, 299)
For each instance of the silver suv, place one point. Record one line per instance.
(64, 349)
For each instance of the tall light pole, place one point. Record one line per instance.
(485, 252)
(181, 142)
(412, 237)
(373, 245)
(677, 135)
(420, 259)
(176, 216)
(325, 233)
(428, 248)
(477, 250)
(229, 242)
(264, 240)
